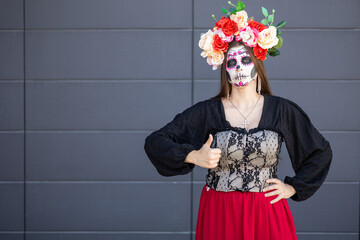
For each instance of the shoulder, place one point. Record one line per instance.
(281, 100)
(290, 111)
(201, 107)
(289, 106)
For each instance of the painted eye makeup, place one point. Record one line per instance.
(246, 60)
(231, 63)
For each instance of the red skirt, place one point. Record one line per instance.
(243, 216)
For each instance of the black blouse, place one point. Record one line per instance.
(281, 120)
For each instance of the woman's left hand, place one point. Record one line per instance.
(283, 190)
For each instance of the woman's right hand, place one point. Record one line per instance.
(206, 156)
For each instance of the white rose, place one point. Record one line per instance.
(248, 37)
(205, 54)
(240, 18)
(209, 61)
(267, 38)
(214, 67)
(206, 41)
(217, 58)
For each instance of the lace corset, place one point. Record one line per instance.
(247, 160)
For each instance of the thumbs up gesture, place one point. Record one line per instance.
(206, 156)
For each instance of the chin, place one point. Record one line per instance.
(244, 85)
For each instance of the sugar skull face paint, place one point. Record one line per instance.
(239, 66)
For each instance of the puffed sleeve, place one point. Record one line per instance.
(168, 147)
(310, 153)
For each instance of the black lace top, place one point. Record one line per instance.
(246, 162)
(248, 158)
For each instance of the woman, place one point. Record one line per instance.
(237, 136)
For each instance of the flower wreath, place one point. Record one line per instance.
(265, 40)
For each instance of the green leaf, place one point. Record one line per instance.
(270, 18)
(264, 11)
(278, 32)
(273, 52)
(240, 6)
(270, 50)
(232, 10)
(264, 21)
(225, 11)
(280, 42)
(281, 24)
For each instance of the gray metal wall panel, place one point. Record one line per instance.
(11, 105)
(328, 236)
(345, 165)
(308, 14)
(12, 206)
(11, 156)
(108, 54)
(109, 14)
(12, 54)
(11, 235)
(328, 210)
(327, 102)
(110, 105)
(108, 206)
(11, 14)
(91, 156)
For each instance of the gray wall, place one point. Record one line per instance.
(83, 82)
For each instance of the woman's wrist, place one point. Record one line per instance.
(190, 157)
(292, 189)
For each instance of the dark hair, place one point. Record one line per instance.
(225, 87)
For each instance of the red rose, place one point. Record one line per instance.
(228, 26)
(220, 22)
(258, 26)
(260, 53)
(219, 45)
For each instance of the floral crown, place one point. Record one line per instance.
(265, 40)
